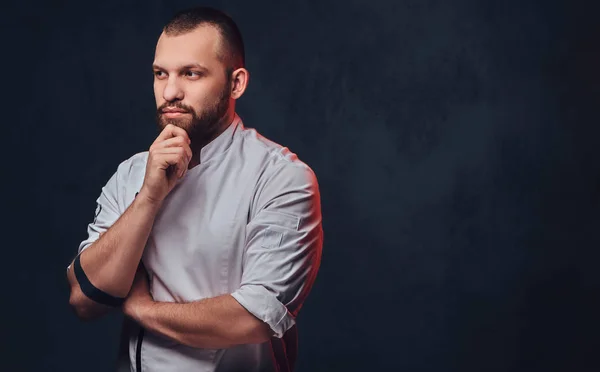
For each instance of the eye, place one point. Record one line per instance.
(193, 74)
(159, 74)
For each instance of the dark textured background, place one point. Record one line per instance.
(455, 143)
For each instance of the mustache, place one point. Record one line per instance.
(172, 105)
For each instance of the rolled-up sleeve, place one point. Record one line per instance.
(107, 212)
(283, 249)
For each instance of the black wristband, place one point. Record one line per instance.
(92, 292)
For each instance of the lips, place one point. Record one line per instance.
(173, 111)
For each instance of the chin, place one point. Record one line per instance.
(181, 123)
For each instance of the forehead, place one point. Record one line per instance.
(198, 46)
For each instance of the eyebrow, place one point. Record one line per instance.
(186, 67)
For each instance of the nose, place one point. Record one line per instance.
(172, 91)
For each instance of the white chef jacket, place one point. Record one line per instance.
(246, 221)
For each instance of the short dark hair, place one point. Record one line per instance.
(232, 43)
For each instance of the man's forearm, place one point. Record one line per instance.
(110, 263)
(213, 323)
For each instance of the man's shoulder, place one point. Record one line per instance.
(278, 162)
(132, 168)
(134, 161)
(269, 151)
(138, 158)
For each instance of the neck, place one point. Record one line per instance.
(196, 147)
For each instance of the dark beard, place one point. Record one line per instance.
(201, 129)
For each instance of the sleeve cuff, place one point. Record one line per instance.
(81, 249)
(265, 306)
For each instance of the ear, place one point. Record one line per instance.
(239, 82)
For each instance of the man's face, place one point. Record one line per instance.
(191, 88)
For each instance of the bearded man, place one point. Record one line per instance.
(209, 241)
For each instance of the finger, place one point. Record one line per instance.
(176, 160)
(173, 142)
(182, 167)
(172, 157)
(183, 152)
(171, 131)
